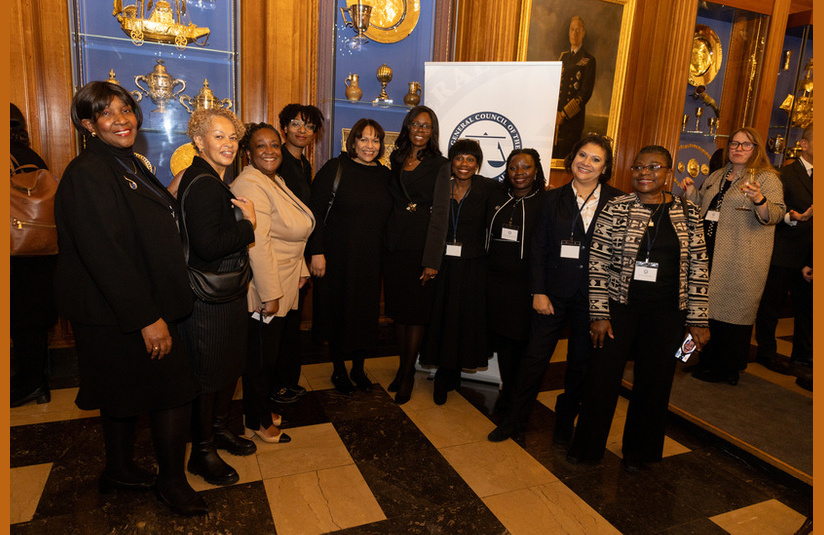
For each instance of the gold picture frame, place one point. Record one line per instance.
(611, 20)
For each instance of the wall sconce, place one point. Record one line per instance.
(359, 15)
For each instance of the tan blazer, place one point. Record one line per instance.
(283, 226)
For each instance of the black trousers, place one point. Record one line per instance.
(728, 350)
(780, 281)
(649, 332)
(262, 358)
(287, 368)
(544, 336)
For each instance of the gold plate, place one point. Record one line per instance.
(692, 167)
(705, 169)
(182, 157)
(681, 167)
(705, 60)
(391, 20)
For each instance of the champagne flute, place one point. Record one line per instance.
(747, 181)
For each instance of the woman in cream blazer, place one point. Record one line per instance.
(278, 273)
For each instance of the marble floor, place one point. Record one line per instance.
(361, 464)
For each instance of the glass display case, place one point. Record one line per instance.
(174, 56)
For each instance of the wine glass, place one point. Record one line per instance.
(747, 181)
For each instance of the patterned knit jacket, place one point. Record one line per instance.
(615, 242)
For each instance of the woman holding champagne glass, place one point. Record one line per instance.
(741, 204)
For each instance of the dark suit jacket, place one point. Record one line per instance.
(429, 190)
(216, 227)
(793, 243)
(121, 260)
(549, 273)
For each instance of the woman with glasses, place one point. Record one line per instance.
(414, 238)
(741, 204)
(558, 284)
(647, 286)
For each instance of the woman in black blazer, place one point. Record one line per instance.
(121, 280)
(558, 283)
(414, 237)
(220, 228)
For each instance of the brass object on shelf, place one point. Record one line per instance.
(353, 91)
(801, 107)
(182, 157)
(112, 80)
(359, 15)
(705, 169)
(693, 168)
(204, 100)
(705, 61)
(413, 98)
(384, 76)
(681, 167)
(391, 20)
(699, 111)
(684, 120)
(160, 86)
(160, 26)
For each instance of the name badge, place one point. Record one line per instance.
(646, 271)
(453, 249)
(570, 249)
(509, 232)
(712, 215)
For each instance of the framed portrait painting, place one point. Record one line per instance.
(591, 39)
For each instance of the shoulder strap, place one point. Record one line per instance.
(184, 236)
(335, 185)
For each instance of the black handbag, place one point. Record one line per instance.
(214, 287)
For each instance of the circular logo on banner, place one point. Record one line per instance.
(497, 135)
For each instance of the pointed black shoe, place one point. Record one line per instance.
(343, 384)
(41, 394)
(501, 433)
(185, 502)
(361, 380)
(139, 480)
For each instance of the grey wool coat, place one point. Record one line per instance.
(743, 246)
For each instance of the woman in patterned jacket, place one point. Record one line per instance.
(648, 284)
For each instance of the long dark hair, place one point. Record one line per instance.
(403, 145)
(540, 179)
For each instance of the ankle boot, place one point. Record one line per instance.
(121, 472)
(225, 439)
(169, 437)
(205, 462)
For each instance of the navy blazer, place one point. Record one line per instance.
(793, 243)
(549, 273)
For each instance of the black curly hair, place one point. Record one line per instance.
(251, 128)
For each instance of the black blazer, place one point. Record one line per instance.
(215, 226)
(428, 188)
(549, 273)
(793, 243)
(121, 260)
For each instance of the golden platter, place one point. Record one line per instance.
(705, 61)
(391, 20)
(182, 157)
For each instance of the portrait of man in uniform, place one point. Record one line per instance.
(577, 83)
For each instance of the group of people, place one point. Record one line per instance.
(175, 293)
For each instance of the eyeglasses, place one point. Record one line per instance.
(420, 126)
(651, 168)
(297, 123)
(746, 145)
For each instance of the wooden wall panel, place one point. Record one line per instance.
(487, 30)
(767, 80)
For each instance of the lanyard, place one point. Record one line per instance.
(580, 209)
(651, 242)
(456, 217)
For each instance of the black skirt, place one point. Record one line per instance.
(405, 299)
(120, 377)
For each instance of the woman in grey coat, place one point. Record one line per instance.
(741, 204)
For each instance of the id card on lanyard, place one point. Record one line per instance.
(571, 248)
(454, 247)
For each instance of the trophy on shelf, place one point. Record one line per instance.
(160, 86)
(204, 100)
(699, 111)
(359, 15)
(384, 76)
(684, 121)
(713, 123)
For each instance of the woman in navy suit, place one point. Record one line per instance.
(558, 281)
(121, 280)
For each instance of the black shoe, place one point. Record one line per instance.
(805, 382)
(297, 390)
(441, 389)
(182, 501)
(343, 384)
(632, 466)
(395, 385)
(41, 394)
(777, 364)
(361, 380)
(562, 435)
(501, 433)
(225, 439)
(205, 462)
(404, 392)
(284, 395)
(574, 459)
(139, 480)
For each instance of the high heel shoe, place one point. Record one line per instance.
(343, 384)
(361, 380)
(41, 394)
(404, 393)
(267, 435)
(395, 385)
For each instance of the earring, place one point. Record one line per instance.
(93, 133)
